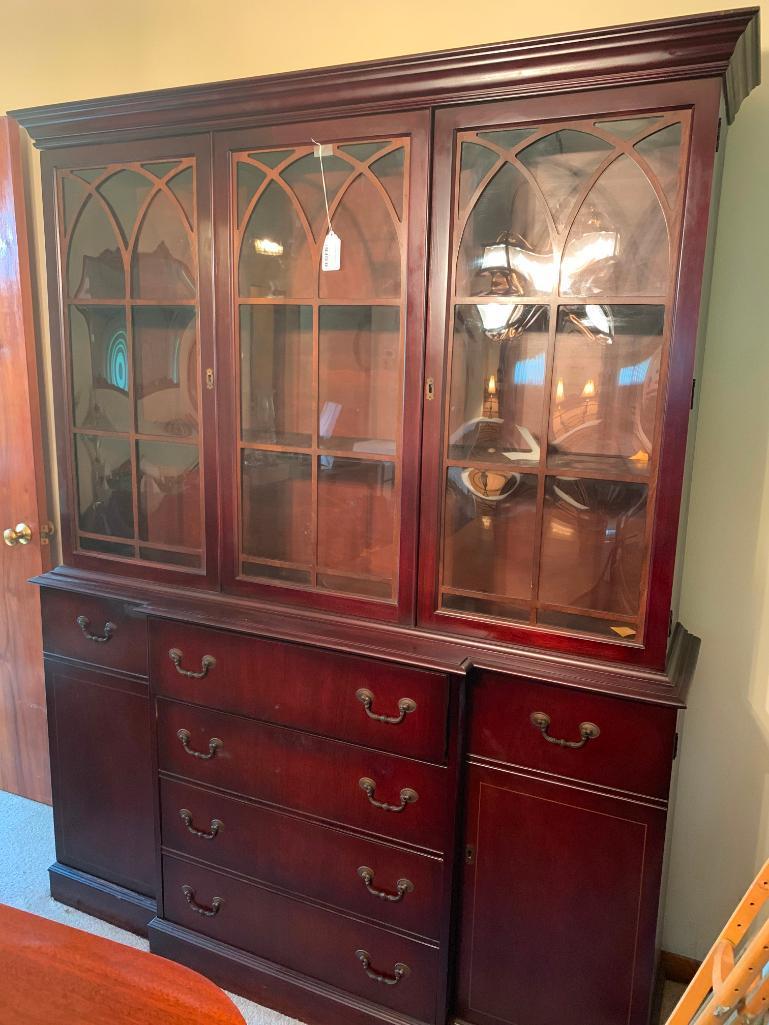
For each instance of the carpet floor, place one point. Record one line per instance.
(26, 851)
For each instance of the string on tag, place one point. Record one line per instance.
(323, 181)
(331, 254)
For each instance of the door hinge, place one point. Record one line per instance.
(209, 378)
(47, 530)
(670, 623)
(469, 854)
(675, 747)
(718, 135)
(694, 385)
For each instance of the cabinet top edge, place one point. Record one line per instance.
(407, 645)
(724, 44)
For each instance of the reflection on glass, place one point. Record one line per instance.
(490, 520)
(605, 382)
(303, 176)
(624, 629)
(277, 506)
(593, 544)
(490, 608)
(189, 560)
(497, 383)
(662, 151)
(506, 247)
(626, 128)
(359, 378)
(103, 468)
(166, 370)
(100, 367)
(356, 526)
(618, 244)
(183, 187)
(98, 546)
(562, 164)
(169, 493)
(125, 192)
(276, 374)
(389, 171)
(371, 253)
(163, 262)
(95, 261)
(275, 254)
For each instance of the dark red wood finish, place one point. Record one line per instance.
(302, 687)
(93, 895)
(100, 155)
(304, 857)
(545, 856)
(308, 939)
(702, 98)
(415, 126)
(634, 751)
(126, 646)
(309, 774)
(101, 774)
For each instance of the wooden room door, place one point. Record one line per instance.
(24, 766)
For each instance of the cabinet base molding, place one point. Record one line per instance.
(268, 984)
(108, 901)
(677, 967)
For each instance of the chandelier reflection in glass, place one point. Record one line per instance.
(513, 268)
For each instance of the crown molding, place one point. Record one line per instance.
(724, 44)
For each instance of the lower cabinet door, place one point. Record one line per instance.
(101, 775)
(559, 904)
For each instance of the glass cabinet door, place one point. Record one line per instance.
(321, 362)
(129, 257)
(561, 275)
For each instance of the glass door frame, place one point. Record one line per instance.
(702, 99)
(415, 125)
(197, 147)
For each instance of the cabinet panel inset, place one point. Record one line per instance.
(321, 363)
(561, 288)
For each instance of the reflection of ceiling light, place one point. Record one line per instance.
(267, 247)
(582, 252)
(559, 390)
(491, 387)
(589, 390)
(599, 318)
(496, 316)
(515, 268)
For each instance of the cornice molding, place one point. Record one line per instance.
(724, 44)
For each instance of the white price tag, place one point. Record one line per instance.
(332, 252)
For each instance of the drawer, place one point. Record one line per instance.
(633, 752)
(104, 631)
(306, 773)
(300, 936)
(305, 857)
(405, 710)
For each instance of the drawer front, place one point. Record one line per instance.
(380, 705)
(307, 773)
(633, 751)
(399, 888)
(314, 941)
(103, 631)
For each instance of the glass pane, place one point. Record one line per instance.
(618, 245)
(506, 247)
(163, 261)
(249, 179)
(371, 254)
(607, 628)
(72, 195)
(562, 164)
(361, 150)
(490, 520)
(274, 254)
(359, 378)
(271, 157)
(161, 168)
(663, 153)
(95, 268)
(605, 382)
(187, 559)
(102, 547)
(507, 138)
(276, 374)
(389, 171)
(358, 496)
(126, 192)
(166, 370)
(90, 174)
(474, 164)
(593, 544)
(497, 382)
(277, 574)
(626, 128)
(99, 367)
(169, 493)
(304, 178)
(103, 469)
(517, 612)
(277, 506)
(183, 187)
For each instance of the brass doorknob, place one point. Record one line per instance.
(21, 534)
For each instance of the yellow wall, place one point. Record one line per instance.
(57, 50)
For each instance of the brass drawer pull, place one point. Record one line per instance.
(400, 971)
(201, 909)
(216, 825)
(213, 745)
(405, 706)
(407, 795)
(109, 629)
(207, 662)
(403, 886)
(587, 731)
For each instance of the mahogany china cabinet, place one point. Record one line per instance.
(374, 392)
